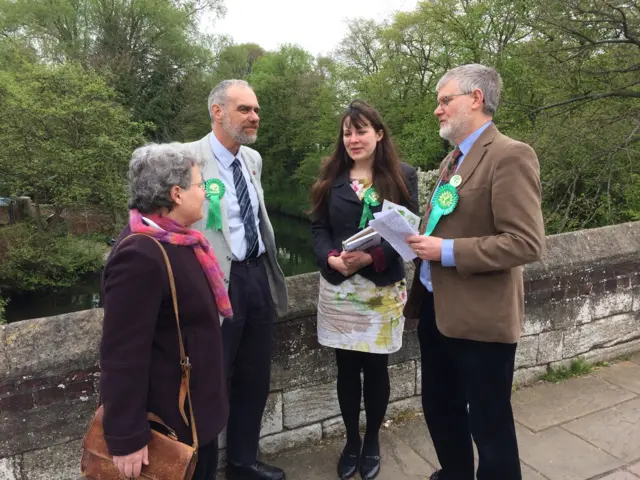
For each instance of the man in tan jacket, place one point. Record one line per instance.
(468, 287)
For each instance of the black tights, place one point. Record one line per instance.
(376, 396)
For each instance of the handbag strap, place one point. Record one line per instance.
(185, 364)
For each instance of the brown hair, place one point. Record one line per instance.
(387, 175)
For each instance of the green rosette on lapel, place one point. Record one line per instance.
(214, 189)
(444, 202)
(370, 199)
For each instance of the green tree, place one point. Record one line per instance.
(150, 51)
(65, 140)
(299, 103)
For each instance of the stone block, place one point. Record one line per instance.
(62, 459)
(309, 405)
(612, 353)
(272, 417)
(45, 426)
(402, 408)
(525, 376)
(410, 348)
(402, 378)
(418, 378)
(222, 439)
(615, 430)
(612, 304)
(333, 427)
(583, 310)
(307, 368)
(635, 293)
(549, 316)
(54, 345)
(303, 295)
(4, 359)
(601, 333)
(289, 439)
(527, 352)
(10, 468)
(222, 460)
(535, 320)
(546, 405)
(550, 347)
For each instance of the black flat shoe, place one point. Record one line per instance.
(256, 471)
(347, 465)
(369, 466)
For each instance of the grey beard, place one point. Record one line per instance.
(238, 134)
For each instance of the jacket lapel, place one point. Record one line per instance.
(211, 171)
(477, 152)
(343, 189)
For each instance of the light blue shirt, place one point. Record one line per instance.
(224, 159)
(447, 259)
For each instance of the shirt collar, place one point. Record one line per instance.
(468, 142)
(224, 156)
(151, 223)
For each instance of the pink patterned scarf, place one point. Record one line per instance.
(176, 234)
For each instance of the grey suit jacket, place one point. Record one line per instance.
(220, 240)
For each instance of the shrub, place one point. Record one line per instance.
(33, 259)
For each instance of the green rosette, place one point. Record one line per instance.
(214, 189)
(444, 201)
(371, 199)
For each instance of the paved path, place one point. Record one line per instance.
(578, 429)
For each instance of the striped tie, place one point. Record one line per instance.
(246, 211)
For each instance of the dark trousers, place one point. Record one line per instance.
(247, 348)
(207, 462)
(458, 373)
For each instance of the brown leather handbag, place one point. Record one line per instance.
(169, 459)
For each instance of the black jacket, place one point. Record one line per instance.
(340, 219)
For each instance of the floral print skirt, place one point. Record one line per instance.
(359, 315)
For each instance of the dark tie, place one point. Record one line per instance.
(246, 211)
(449, 170)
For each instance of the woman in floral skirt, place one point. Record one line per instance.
(362, 293)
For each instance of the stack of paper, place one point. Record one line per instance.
(394, 223)
(411, 218)
(361, 241)
(395, 228)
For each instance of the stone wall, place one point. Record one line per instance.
(582, 300)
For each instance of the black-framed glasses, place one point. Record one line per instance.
(446, 100)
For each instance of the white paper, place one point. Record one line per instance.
(362, 240)
(412, 218)
(394, 228)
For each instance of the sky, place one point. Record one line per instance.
(315, 25)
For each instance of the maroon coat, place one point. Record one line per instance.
(139, 351)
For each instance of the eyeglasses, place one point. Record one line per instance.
(200, 184)
(446, 100)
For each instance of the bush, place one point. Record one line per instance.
(3, 304)
(33, 259)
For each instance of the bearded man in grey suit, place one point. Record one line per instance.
(237, 226)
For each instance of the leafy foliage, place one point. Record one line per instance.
(34, 259)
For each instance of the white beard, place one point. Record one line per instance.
(454, 129)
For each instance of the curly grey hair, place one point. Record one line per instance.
(153, 170)
(218, 95)
(472, 76)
